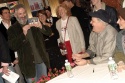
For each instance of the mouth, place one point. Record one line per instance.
(23, 18)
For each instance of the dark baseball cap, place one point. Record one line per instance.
(101, 14)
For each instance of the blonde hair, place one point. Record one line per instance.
(65, 7)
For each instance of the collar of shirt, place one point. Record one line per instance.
(6, 25)
(102, 7)
(101, 34)
(50, 19)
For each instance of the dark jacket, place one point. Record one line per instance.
(18, 42)
(52, 41)
(120, 50)
(113, 15)
(3, 30)
(81, 16)
(4, 51)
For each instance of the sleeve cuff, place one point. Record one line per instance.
(92, 62)
(4, 64)
(91, 53)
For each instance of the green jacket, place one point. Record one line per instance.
(18, 42)
(119, 54)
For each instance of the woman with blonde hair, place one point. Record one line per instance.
(70, 32)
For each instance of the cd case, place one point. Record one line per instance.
(12, 78)
(32, 20)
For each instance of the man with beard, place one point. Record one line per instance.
(4, 25)
(27, 40)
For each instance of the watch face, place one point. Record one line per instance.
(32, 20)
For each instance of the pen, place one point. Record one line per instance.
(93, 70)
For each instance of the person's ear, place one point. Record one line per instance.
(0, 15)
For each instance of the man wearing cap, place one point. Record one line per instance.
(98, 4)
(102, 40)
(120, 38)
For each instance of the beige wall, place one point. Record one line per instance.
(123, 5)
(53, 4)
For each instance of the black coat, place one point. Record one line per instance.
(113, 16)
(52, 41)
(3, 30)
(4, 51)
(18, 42)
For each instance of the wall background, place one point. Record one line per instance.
(53, 4)
(123, 5)
(114, 3)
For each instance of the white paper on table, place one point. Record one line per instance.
(12, 78)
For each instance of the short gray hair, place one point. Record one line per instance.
(17, 7)
(102, 21)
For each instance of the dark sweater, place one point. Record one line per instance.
(3, 30)
(52, 41)
(18, 42)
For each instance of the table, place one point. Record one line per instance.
(85, 74)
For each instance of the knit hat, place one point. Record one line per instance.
(122, 12)
(101, 14)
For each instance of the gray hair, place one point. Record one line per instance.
(17, 7)
(102, 21)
